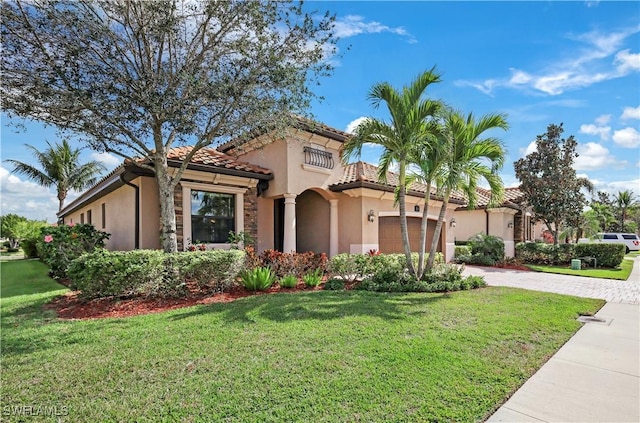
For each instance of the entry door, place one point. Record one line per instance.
(278, 224)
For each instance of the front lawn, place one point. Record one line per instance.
(621, 274)
(326, 356)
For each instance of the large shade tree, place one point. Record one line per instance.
(59, 166)
(470, 156)
(409, 125)
(549, 181)
(139, 77)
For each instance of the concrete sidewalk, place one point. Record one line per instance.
(595, 376)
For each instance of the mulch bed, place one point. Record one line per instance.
(71, 306)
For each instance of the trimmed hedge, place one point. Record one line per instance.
(152, 273)
(542, 253)
(607, 255)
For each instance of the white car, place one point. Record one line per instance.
(631, 241)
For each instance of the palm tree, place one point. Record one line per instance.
(426, 159)
(603, 214)
(624, 200)
(409, 126)
(60, 169)
(468, 158)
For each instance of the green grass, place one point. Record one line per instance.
(621, 274)
(323, 356)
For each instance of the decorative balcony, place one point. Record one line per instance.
(319, 158)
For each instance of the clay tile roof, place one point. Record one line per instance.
(212, 157)
(299, 122)
(511, 195)
(361, 172)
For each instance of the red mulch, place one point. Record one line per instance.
(70, 306)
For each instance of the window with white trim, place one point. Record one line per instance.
(213, 216)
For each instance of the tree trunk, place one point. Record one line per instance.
(403, 220)
(436, 233)
(168, 236)
(423, 233)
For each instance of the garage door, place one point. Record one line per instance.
(390, 237)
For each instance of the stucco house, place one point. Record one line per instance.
(512, 220)
(289, 194)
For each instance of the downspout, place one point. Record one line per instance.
(486, 212)
(137, 211)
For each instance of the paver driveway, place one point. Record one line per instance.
(626, 292)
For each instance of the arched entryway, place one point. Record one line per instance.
(312, 222)
(390, 236)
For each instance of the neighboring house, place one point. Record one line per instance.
(290, 194)
(512, 220)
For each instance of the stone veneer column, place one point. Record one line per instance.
(333, 227)
(289, 242)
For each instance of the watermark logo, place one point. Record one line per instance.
(35, 410)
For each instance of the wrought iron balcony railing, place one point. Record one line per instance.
(320, 158)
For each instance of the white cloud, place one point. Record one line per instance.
(628, 137)
(603, 119)
(615, 187)
(26, 198)
(627, 62)
(593, 156)
(586, 67)
(354, 123)
(592, 3)
(630, 113)
(109, 160)
(353, 25)
(591, 129)
(529, 149)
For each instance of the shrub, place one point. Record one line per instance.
(151, 273)
(29, 247)
(334, 285)
(258, 279)
(313, 278)
(349, 267)
(607, 255)
(462, 250)
(124, 274)
(215, 269)
(289, 281)
(297, 264)
(59, 245)
(487, 245)
(541, 253)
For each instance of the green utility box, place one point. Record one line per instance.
(576, 264)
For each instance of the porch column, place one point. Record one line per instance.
(333, 227)
(289, 241)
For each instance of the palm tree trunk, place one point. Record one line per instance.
(423, 233)
(403, 219)
(436, 233)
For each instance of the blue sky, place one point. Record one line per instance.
(538, 62)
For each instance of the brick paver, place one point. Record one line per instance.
(626, 292)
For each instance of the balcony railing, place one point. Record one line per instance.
(320, 158)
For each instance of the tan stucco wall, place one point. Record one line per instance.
(287, 161)
(119, 222)
(149, 213)
(473, 222)
(265, 239)
(312, 215)
(469, 223)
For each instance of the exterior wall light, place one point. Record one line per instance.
(416, 208)
(510, 225)
(452, 223)
(370, 215)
